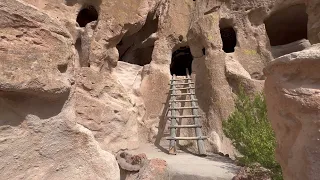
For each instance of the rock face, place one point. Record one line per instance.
(28, 62)
(40, 138)
(281, 50)
(104, 108)
(292, 88)
(313, 21)
(110, 76)
(53, 149)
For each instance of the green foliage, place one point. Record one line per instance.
(251, 133)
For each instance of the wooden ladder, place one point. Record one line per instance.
(174, 109)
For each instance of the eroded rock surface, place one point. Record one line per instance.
(130, 162)
(53, 149)
(106, 109)
(138, 167)
(39, 135)
(109, 74)
(35, 51)
(292, 96)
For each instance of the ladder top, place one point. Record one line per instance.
(180, 79)
(187, 138)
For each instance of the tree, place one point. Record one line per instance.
(251, 133)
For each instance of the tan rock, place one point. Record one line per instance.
(292, 90)
(53, 66)
(53, 149)
(280, 50)
(313, 21)
(106, 109)
(156, 169)
(212, 88)
(238, 77)
(27, 61)
(138, 167)
(131, 163)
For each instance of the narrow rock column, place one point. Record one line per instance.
(292, 91)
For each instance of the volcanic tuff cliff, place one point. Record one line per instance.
(79, 78)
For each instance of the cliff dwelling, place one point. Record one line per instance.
(287, 30)
(181, 60)
(228, 35)
(87, 15)
(111, 89)
(137, 48)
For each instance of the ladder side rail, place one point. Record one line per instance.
(200, 142)
(172, 146)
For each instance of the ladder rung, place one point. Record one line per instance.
(186, 138)
(183, 94)
(180, 79)
(182, 83)
(182, 88)
(187, 100)
(185, 116)
(178, 108)
(185, 126)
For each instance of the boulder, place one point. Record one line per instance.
(53, 149)
(292, 95)
(138, 167)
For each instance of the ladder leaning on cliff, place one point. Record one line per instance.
(174, 109)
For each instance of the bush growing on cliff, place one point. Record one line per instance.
(251, 133)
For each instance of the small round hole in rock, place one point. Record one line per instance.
(63, 68)
(180, 38)
(87, 15)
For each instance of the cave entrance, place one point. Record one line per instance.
(228, 35)
(287, 25)
(181, 60)
(137, 48)
(87, 15)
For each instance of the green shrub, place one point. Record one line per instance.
(251, 133)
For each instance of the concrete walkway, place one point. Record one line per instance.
(185, 166)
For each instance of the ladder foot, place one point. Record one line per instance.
(172, 151)
(203, 155)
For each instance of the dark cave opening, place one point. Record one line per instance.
(229, 40)
(287, 25)
(137, 48)
(228, 36)
(87, 15)
(62, 68)
(181, 60)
